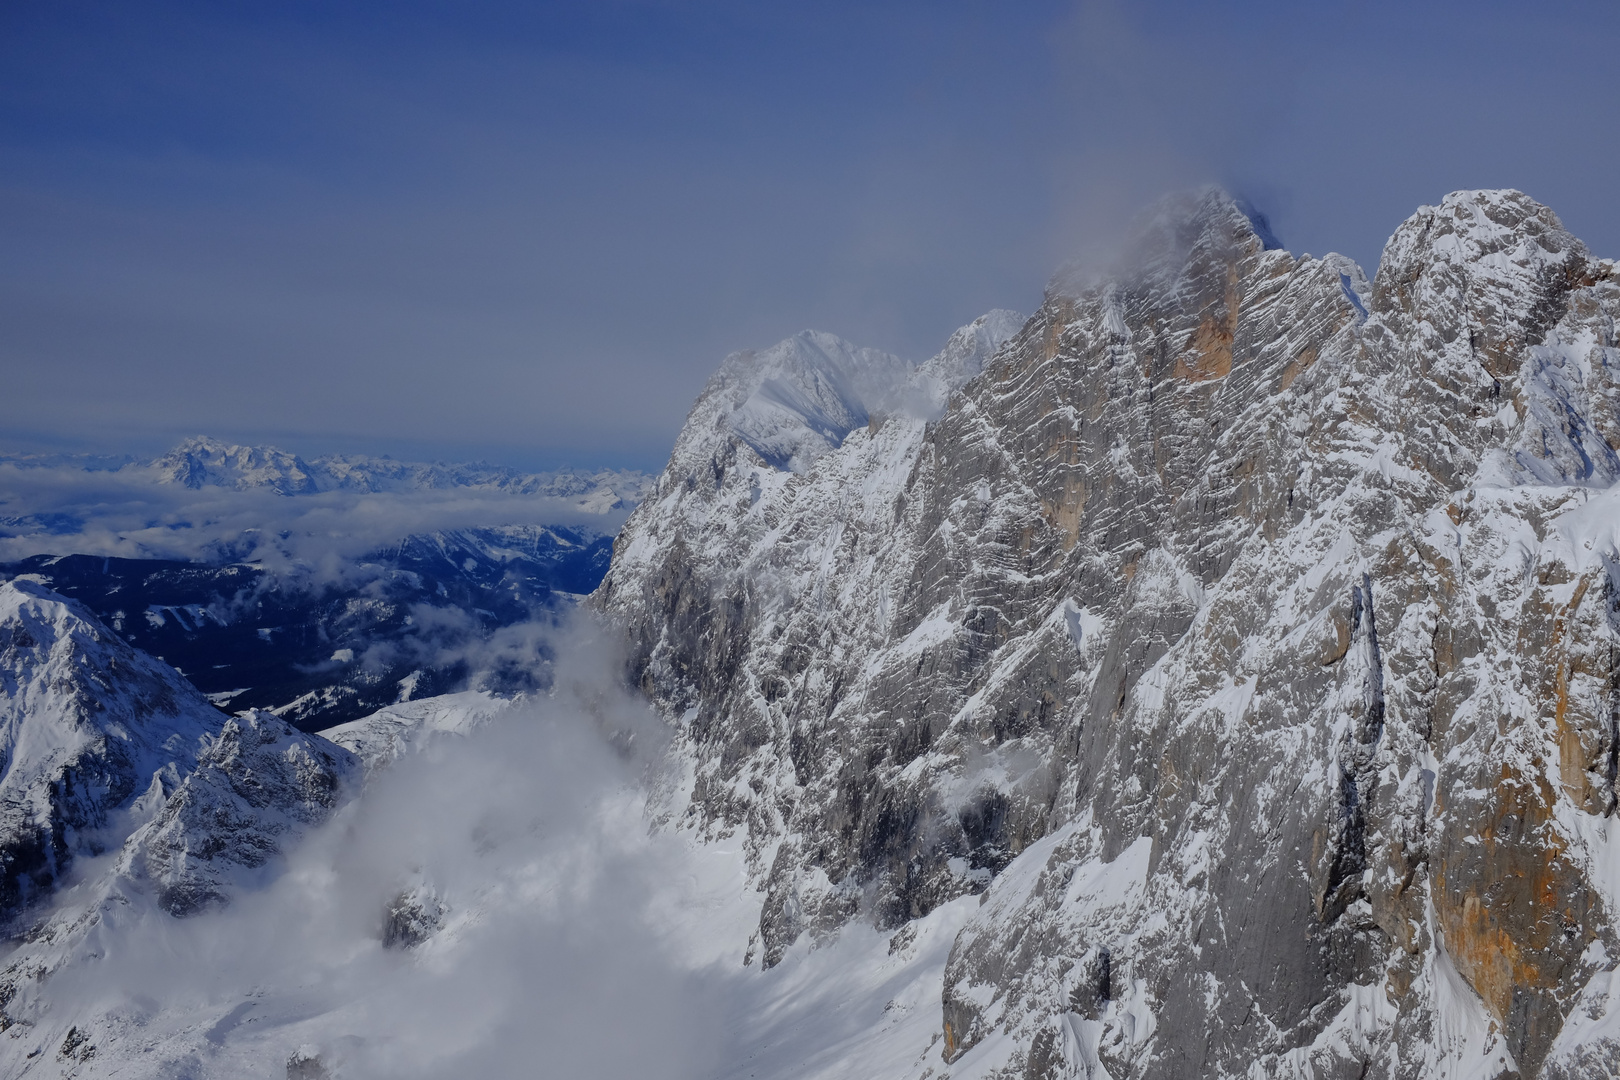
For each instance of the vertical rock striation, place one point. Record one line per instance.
(1245, 630)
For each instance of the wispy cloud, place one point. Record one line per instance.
(550, 957)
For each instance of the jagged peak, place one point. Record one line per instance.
(1498, 255)
(1167, 237)
(1178, 225)
(795, 400)
(206, 446)
(1261, 225)
(201, 461)
(968, 348)
(1467, 226)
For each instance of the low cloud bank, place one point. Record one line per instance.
(62, 510)
(537, 899)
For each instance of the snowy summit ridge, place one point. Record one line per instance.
(800, 398)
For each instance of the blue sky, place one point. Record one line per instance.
(529, 232)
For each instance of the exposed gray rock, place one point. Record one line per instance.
(412, 917)
(305, 1064)
(1249, 628)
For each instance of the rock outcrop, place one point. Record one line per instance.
(87, 724)
(1246, 631)
(258, 783)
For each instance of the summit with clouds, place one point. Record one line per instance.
(1059, 541)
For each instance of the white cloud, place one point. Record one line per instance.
(553, 953)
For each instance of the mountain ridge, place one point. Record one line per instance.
(1214, 674)
(1215, 553)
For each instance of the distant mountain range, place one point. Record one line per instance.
(202, 462)
(264, 609)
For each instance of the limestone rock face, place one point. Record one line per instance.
(1246, 631)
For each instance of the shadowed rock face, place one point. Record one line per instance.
(1244, 623)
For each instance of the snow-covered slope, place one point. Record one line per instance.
(1246, 631)
(492, 905)
(389, 734)
(214, 824)
(110, 752)
(87, 724)
(106, 747)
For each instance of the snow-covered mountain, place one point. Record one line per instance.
(256, 783)
(1245, 634)
(87, 725)
(108, 751)
(1215, 674)
(798, 399)
(202, 462)
(259, 920)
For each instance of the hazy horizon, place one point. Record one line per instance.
(527, 234)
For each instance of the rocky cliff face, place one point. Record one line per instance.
(1245, 631)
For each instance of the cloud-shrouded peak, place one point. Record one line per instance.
(1175, 235)
(798, 399)
(803, 395)
(965, 353)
